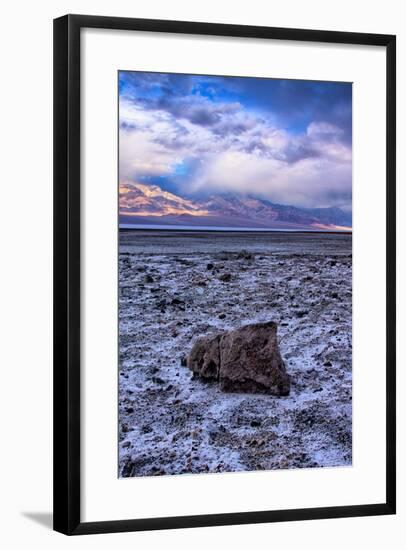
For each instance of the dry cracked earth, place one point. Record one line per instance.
(175, 287)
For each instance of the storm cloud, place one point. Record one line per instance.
(288, 141)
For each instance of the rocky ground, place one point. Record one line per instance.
(174, 288)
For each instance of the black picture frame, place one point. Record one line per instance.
(67, 293)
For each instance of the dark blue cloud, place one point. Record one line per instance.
(296, 103)
(293, 104)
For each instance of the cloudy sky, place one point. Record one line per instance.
(285, 140)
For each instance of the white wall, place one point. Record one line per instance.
(25, 290)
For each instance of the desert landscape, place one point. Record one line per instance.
(177, 286)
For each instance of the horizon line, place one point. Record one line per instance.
(222, 229)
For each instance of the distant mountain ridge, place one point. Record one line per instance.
(141, 203)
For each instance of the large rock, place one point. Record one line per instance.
(246, 359)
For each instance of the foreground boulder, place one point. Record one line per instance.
(246, 359)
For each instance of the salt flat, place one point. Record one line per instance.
(171, 292)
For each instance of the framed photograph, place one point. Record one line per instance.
(224, 270)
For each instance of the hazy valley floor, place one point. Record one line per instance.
(170, 293)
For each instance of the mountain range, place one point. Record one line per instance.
(149, 204)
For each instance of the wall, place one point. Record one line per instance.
(26, 111)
